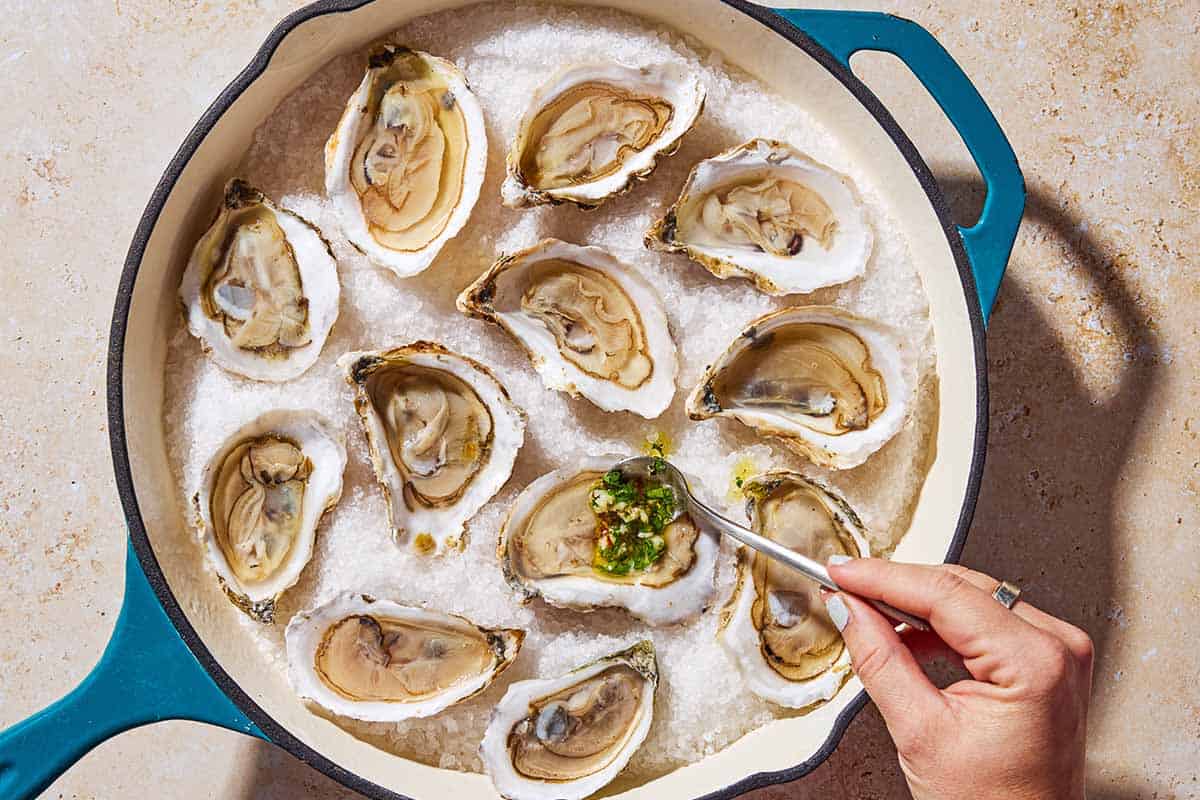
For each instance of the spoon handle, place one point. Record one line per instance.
(797, 561)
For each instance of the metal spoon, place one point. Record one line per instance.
(659, 470)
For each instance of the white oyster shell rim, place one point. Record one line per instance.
(674, 603)
(320, 283)
(813, 267)
(446, 526)
(891, 355)
(514, 705)
(669, 81)
(340, 149)
(325, 448)
(740, 640)
(306, 629)
(650, 399)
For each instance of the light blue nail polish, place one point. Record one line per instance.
(834, 560)
(838, 612)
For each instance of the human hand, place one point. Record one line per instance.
(1017, 730)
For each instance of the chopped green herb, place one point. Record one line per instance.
(631, 516)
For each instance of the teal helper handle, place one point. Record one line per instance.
(989, 242)
(146, 674)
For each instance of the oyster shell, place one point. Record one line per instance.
(443, 435)
(594, 129)
(547, 543)
(834, 386)
(765, 211)
(404, 167)
(592, 326)
(564, 738)
(261, 498)
(381, 661)
(261, 288)
(775, 627)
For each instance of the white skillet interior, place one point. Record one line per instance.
(788, 70)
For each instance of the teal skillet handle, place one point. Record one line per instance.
(989, 242)
(146, 674)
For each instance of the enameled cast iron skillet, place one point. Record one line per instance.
(171, 656)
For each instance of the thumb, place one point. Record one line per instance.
(902, 692)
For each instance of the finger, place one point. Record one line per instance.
(1078, 641)
(886, 667)
(958, 610)
(987, 583)
(988, 636)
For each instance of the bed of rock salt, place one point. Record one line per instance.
(506, 50)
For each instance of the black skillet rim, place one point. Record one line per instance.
(116, 407)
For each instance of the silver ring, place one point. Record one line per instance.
(1007, 594)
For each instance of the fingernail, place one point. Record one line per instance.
(838, 611)
(836, 560)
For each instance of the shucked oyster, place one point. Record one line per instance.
(548, 548)
(594, 129)
(261, 288)
(565, 738)
(260, 501)
(591, 325)
(835, 387)
(767, 212)
(775, 627)
(381, 661)
(443, 435)
(404, 166)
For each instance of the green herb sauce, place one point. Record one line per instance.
(631, 516)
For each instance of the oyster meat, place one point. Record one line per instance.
(591, 325)
(834, 386)
(404, 167)
(443, 435)
(565, 738)
(594, 129)
(548, 547)
(765, 211)
(381, 661)
(260, 501)
(775, 627)
(261, 288)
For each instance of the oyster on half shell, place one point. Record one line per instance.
(443, 435)
(547, 544)
(765, 211)
(404, 167)
(565, 738)
(381, 661)
(775, 627)
(260, 501)
(261, 288)
(591, 325)
(594, 129)
(833, 386)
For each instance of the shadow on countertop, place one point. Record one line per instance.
(1045, 518)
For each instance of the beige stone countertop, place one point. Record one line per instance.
(1090, 493)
